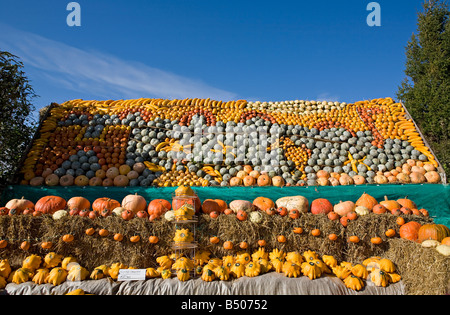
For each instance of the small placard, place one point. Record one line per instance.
(131, 274)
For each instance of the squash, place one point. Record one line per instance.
(311, 270)
(56, 276)
(52, 260)
(367, 201)
(390, 204)
(77, 273)
(19, 205)
(58, 215)
(158, 207)
(99, 272)
(78, 203)
(20, 275)
(252, 269)
(32, 262)
(443, 250)
(330, 261)
(134, 203)
(410, 231)
(5, 268)
(341, 272)
(321, 206)
(344, 207)
(184, 191)
(101, 204)
(433, 177)
(291, 270)
(360, 271)
(208, 275)
(294, 257)
(407, 203)
(50, 204)
(40, 276)
(354, 282)
(183, 263)
(263, 203)
(183, 274)
(214, 205)
(380, 278)
(432, 232)
(361, 210)
(241, 205)
(299, 203)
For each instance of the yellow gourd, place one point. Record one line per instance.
(19, 276)
(165, 262)
(252, 269)
(52, 260)
(222, 273)
(294, 257)
(32, 262)
(353, 282)
(183, 274)
(151, 273)
(40, 276)
(100, 272)
(114, 270)
(183, 263)
(77, 273)
(311, 270)
(5, 268)
(56, 276)
(291, 270)
(238, 270)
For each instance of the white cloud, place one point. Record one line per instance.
(101, 74)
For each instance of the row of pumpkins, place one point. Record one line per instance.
(55, 269)
(292, 206)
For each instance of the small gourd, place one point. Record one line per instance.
(311, 270)
(294, 257)
(291, 270)
(151, 273)
(222, 273)
(100, 272)
(237, 270)
(341, 272)
(5, 268)
(260, 253)
(252, 269)
(379, 278)
(165, 262)
(52, 260)
(183, 263)
(330, 261)
(360, 271)
(353, 282)
(40, 276)
(56, 276)
(310, 255)
(386, 265)
(77, 273)
(32, 262)
(183, 274)
(243, 258)
(208, 274)
(19, 276)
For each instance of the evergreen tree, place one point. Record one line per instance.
(16, 125)
(426, 89)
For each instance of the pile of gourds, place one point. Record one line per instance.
(202, 142)
(55, 269)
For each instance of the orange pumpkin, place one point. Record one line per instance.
(332, 237)
(294, 214)
(134, 203)
(263, 203)
(103, 232)
(158, 207)
(68, 238)
(281, 239)
(410, 231)
(367, 201)
(46, 245)
(210, 205)
(315, 232)
(50, 204)
(264, 180)
(228, 245)
(446, 241)
(333, 216)
(243, 245)
(435, 232)
(78, 203)
(390, 233)
(214, 214)
(118, 237)
(90, 231)
(3, 244)
(376, 240)
(282, 211)
(262, 243)
(214, 240)
(407, 203)
(135, 239)
(153, 239)
(241, 215)
(353, 239)
(390, 204)
(321, 206)
(101, 204)
(379, 209)
(25, 245)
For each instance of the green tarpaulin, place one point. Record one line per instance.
(434, 198)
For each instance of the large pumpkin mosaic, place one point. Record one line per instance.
(203, 142)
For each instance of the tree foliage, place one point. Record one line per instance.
(426, 89)
(16, 122)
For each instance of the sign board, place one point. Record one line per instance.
(131, 274)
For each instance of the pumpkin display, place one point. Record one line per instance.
(50, 204)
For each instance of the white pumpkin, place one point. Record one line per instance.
(241, 205)
(443, 249)
(169, 215)
(118, 211)
(256, 217)
(60, 214)
(361, 210)
(430, 243)
(299, 203)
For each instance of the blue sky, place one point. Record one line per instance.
(225, 50)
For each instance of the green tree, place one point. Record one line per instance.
(16, 123)
(426, 89)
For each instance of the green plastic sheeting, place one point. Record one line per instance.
(434, 198)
